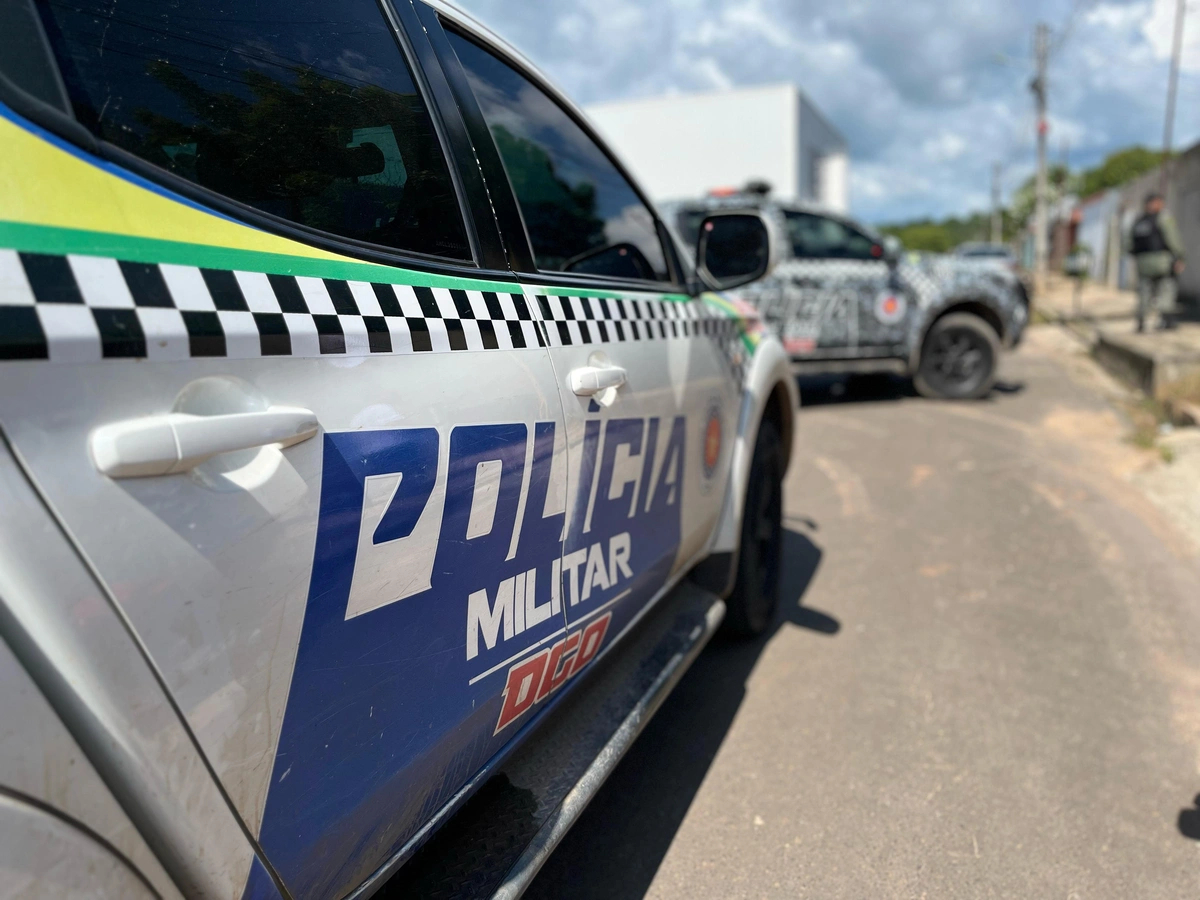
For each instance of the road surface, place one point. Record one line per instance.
(984, 681)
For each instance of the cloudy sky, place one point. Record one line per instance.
(929, 93)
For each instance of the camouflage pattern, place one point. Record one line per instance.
(849, 309)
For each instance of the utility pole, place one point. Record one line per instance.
(1172, 82)
(1041, 50)
(997, 230)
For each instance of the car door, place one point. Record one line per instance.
(649, 374)
(278, 264)
(837, 290)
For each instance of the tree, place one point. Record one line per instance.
(943, 236)
(1117, 169)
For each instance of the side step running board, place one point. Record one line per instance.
(495, 845)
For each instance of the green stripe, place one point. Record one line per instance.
(49, 239)
(749, 340)
(573, 291)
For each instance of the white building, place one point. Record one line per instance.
(683, 146)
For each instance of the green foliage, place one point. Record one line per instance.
(1117, 169)
(922, 235)
(942, 237)
(1023, 199)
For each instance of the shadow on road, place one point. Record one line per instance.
(616, 847)
(819, 390)
(822, 390)
(1189, 820)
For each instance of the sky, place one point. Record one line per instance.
(928, 93)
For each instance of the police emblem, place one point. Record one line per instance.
(889, 307)
(712, 441)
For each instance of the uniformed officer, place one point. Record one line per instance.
(1155, 245)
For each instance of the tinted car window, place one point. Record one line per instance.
(576, 204)
(817, 237)
(991, 251)
(301, 108)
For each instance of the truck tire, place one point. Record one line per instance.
(959, 358)
(752, 604)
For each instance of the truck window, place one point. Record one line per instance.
(575, 203)
(817, 237)
(304, 109)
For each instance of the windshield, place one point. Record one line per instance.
(994, 251)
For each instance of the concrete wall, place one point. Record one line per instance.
(1098, 217)
(683, 146)
(823, 159)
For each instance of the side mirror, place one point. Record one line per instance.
(733, 249)
(892, 248)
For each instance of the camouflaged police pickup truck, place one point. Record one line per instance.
(846, 299)
(372, 460)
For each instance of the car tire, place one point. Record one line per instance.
(751, 606)
(958, 359)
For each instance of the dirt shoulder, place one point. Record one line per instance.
(1133, 443)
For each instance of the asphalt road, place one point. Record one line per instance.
(984, 680)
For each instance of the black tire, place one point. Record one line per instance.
(959, 358)
(752, 604)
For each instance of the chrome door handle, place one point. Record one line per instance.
(588, 380)
(176, 442)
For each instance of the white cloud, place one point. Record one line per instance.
(917, 87)
(944, 147)
(1159, 29)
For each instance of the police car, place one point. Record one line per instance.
(373, 460)
(845, 298)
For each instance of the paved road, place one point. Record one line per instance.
(984, 682)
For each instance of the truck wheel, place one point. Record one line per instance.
(751, 605)
(958, 361)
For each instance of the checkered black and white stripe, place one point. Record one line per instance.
(600, 320)
(85, 308)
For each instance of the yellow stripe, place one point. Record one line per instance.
(41, 184)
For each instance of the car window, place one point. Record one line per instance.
(986, 251)
(688, 223)
(817, 237)
(301, 108)
(578, 208)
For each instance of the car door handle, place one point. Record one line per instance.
(588, 380)
(176, 442)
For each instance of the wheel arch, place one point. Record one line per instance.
(977, 306)
(768, 392)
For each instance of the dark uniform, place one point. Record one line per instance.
(1155, 245)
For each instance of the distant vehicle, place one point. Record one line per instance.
(985, 254)
(372, 460)
(845, 298)
(984, 250)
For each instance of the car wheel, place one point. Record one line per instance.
(958, 361)
(751, 605)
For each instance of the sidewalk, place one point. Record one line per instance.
(1163, 364)
(1096, 303)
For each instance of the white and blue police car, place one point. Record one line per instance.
(372, 459)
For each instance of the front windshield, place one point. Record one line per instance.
(989, 251)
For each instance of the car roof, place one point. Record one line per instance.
(745, 200)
